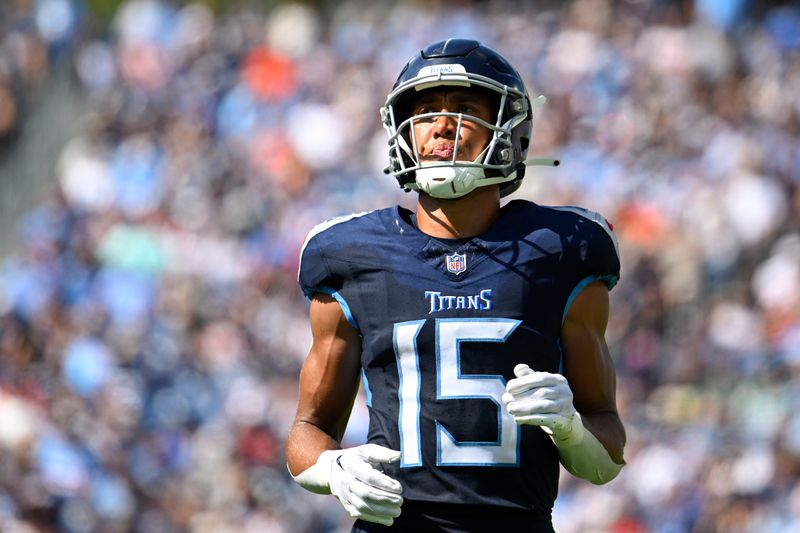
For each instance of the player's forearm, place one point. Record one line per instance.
(304, 444)
(588, 457)
(609, 431)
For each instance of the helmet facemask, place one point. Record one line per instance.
(497, 163)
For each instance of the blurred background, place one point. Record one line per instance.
(162, 161)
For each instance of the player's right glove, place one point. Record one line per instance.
(351, 475)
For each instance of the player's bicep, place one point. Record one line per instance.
(329, 378)
(588, 366)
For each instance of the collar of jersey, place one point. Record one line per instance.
(431, 250)
(502, 230)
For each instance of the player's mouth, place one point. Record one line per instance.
(441, 152)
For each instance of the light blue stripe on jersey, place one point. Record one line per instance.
(342, 303)
(582, 284)
(367, 390)
(609, 280)
(575, 292)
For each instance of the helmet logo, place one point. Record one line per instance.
(432, 70)
(456, 263)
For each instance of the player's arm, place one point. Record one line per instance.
(577, 409)
(328, 386)
(589, 369)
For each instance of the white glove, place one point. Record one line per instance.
(544, 399)
(364, 491)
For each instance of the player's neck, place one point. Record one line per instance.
(463, 217)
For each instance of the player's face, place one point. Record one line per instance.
(436, 136)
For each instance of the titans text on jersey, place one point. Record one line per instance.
(479, 302)
(441, 335)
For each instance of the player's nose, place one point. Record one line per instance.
(444, 126)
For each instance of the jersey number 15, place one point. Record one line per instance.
(451, 384)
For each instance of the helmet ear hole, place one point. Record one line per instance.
(524, 142)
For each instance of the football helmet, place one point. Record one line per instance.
(460, 63)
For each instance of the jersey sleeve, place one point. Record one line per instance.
(601, 257)
(315, 274)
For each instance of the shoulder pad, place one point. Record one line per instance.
(594, 217)
(323, 226)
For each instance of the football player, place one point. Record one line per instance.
(478, 330)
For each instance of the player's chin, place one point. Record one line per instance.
(435, 159)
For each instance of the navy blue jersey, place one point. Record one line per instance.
(443, 322)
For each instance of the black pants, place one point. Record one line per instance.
(424, 517)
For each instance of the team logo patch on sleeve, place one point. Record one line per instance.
(456, 263)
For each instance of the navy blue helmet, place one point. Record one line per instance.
(460, 63)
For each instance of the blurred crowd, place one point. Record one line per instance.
(151, 329)
(36, 37)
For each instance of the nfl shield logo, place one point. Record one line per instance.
(456, 263)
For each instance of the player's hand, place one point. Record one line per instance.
(543, 399)
(365, 492)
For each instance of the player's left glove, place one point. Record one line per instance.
(544, 399)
